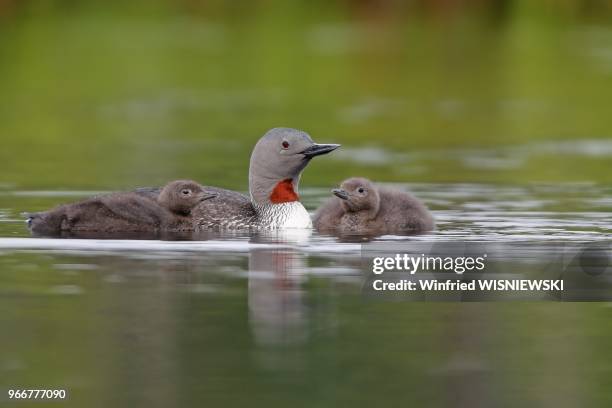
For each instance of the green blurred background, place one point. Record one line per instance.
(109, 95)
(115, 94)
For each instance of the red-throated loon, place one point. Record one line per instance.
(277, 162)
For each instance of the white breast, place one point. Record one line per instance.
(285, 215)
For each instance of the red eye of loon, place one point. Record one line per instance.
(285, 144)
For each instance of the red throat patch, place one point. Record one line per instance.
(283, 192)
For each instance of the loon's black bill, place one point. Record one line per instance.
(318, 149)
(340, 193)
(208, 196)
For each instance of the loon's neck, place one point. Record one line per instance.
(283, 192)
(279, 206)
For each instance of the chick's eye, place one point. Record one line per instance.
(186, 192)
(360, 189)
(285, 144)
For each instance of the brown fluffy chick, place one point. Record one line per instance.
(125, 212)
(361, 207)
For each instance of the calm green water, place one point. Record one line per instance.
(497, 116)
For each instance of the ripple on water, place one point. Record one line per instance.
(469, 212)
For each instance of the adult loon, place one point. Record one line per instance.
(277, 162)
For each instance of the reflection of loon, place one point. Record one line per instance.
(277, 162)
(276, 308)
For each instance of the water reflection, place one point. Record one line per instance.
(278, 315)
(466, 375)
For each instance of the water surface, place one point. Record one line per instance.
(234, 318)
